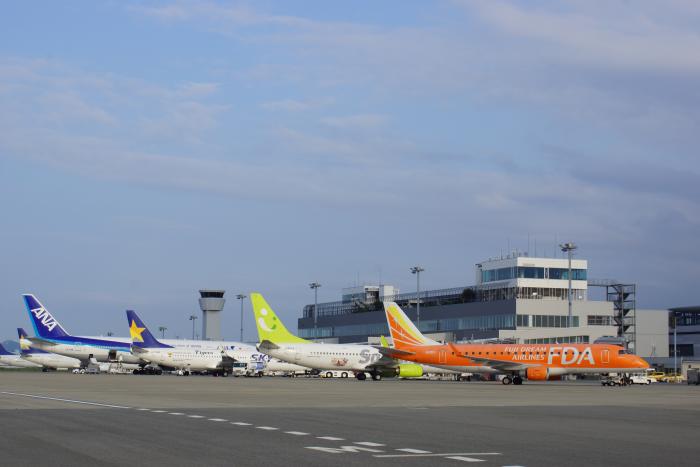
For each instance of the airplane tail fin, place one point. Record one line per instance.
(270, 327)
(25, 344)
(403, 332)
(44, 324)
(3, 351)
(140, 335)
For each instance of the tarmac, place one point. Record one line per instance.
(79, 420)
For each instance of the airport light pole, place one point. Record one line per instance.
(193, 318)
(417, 270)
(675, 344)
(162, 330)
(315, 286)
(241, 296)
(569, 249)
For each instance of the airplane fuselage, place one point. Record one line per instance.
(557, 359)
(53, 361)
(327, 356)
(17, 361)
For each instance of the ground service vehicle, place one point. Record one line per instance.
(694, 376)
(640, 379)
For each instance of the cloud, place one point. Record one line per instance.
(366, 121)
(295, 105)
(631, 40)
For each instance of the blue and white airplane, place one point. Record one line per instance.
(185, 359)
(52, 337)
(48, 360)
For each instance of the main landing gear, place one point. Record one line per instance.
(517, 380)
(361, 376)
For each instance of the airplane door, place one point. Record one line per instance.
(442, 356)
(606, 356)
(112, 355)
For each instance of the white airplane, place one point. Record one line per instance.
(277, 341)
(185, 359)
(48, 360)
(52, 337)
(12, 360)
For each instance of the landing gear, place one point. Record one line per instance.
(515, 379)
(376, 376)
(361, 376)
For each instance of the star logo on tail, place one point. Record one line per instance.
(135, 332)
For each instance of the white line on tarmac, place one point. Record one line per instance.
(464, 459)
(217, 419)
(175, 413)
(330, 438)
(368, 443)
(158, 411)
(298, 433)
(64, 400)
(441, 455)
(268, 428)
(144, 409)
(196, 416)
(414, 451)
(241, 423)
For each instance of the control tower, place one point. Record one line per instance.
(211, 303)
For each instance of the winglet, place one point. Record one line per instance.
(269, 326)
(140, 335)
(3, 351)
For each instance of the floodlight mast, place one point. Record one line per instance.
(569, 249)
(417, 270)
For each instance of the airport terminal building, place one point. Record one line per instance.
(514, 299)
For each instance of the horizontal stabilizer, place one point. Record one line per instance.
(393, 353)
(39, 340)
(267, 345)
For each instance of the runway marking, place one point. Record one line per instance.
(414, 451)
(158, 411)
(368, 443)
(442, 454)
(297, 433)
(217, 419)
(72, 401)
(343, 449)
(196, 416)
(464, 458)
(144, 409)
(268, 428)
(330, 438)
(241, 423)
(175, 413)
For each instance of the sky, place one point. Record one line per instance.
(150, 149)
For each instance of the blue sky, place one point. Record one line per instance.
(149, 149)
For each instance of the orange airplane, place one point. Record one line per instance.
(537, 362)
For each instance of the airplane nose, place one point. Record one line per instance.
(640, 362)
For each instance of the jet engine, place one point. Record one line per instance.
(537, 373)
(409, 370)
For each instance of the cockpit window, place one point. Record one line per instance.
(622, 352)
